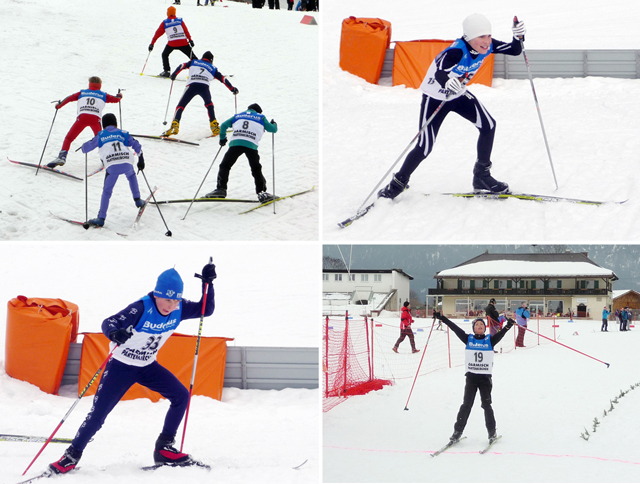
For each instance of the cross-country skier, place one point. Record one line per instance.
(479, 365)
(178, 38)
(605, 319)
(90, 105)
(113, 146)
(137, 333)
(248, 128)
(201, 73)
(405, 328)
(444, 91)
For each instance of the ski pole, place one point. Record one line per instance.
(168, 101)
(120, 107)
(168, 234)
(569, 347)
(406, 407)
(86, 190)
(47, 141)
(535, 98)
(145, 63)
(195, 358)
(72, 407)
(201, 183)
(273, 169)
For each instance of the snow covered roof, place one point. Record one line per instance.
(367, 271)
(527, 265)
(621, 292)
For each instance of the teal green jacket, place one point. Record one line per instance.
(270, 127)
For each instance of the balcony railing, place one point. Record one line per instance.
(519, 292)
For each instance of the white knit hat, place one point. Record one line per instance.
(476, 25)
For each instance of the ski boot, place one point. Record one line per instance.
(217, 193)
(264, 197)
(175, 127)
(95, 222)
(484, 182)
(394, 349)
(456, 436)
(395, 187)
(215, 128)
(59, 161)
(139, 202)
(67, 462)
(492, 437)
(415, 350)
(166, 454)
(164, 74)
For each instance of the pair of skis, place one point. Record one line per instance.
(55, 171)
(451, 443)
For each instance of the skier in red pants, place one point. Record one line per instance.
(91, 102)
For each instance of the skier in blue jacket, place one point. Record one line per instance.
(605, 319)
(443, 91)
(137, 333)
(479, 365)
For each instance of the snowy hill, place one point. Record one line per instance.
(589, 124)
(273, 60)
(544, 398)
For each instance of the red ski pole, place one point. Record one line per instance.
(569, 347)
(72, 407)
(195, 358)
(406, 407)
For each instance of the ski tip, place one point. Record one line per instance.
(300, 465)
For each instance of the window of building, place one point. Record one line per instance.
(377, 277)
(480, 305)
(462, 306)
(466, 283)
(536, 307)
(532, 284)
(352, 277)
(325, 277)
(338, 277)
(555, 307)
(558, 284)
(364, 277)
(515, 303)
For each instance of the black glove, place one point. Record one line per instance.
(273, 121)
(120, 336)
(150, 47)
(235, 90)
(191, 43)
(140, 161)
(172, 77)
(223, 141)
(437, 315)
(510, 322)
(209, 273)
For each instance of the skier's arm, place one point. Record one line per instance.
(454, 327)
(218, 75)
(129, 316)
(495, 339)
(445, 62)
(192, 309)
(270, 127)
(179, 69)
(114, 99)
(159, 33)
(90, 145)
(224, 127)
(68, 99)
(512, 48)
(135, 144)
(186, 32)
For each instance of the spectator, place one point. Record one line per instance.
(522, 316)
(493, 317)
(405, 328)
(605, 318)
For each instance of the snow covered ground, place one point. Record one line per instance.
(544, 398)
(273, 59)
(590, 125)
(266, 295)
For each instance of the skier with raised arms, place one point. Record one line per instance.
(178, 38)
(137, 333)
(479, 366)
(201, 73)
(91, 102)
(443, 91)
(113, 146)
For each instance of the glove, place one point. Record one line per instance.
(437, 315)
(140, 161)
(119, 336)
(191, 43)
(235, 90)
(223, 141)
(518, 29)
(59, 105)
(273, 121)
(209, 273)
(119, 95)
(150, 47)
(172, 77)
(510, 322)
(454, 85)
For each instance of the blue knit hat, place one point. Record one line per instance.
(169, 285)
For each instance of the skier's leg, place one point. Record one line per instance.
(133, 181)
(230, 158)
(165, 59)
(467, 403)
(110, 179)
(256, 169)
(485, 387)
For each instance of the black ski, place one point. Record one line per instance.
(189, 200)
(162, 77)
(360, 214)
(486, 449)
(277, 199)
(141, 209)
(530, 197)
(191, 463)
(165, 138)
(31, 438)
(449, 445)
(55, 170)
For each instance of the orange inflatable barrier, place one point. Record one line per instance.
(39, 331)
(411, 60)
(176, 355)
(363, 44)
